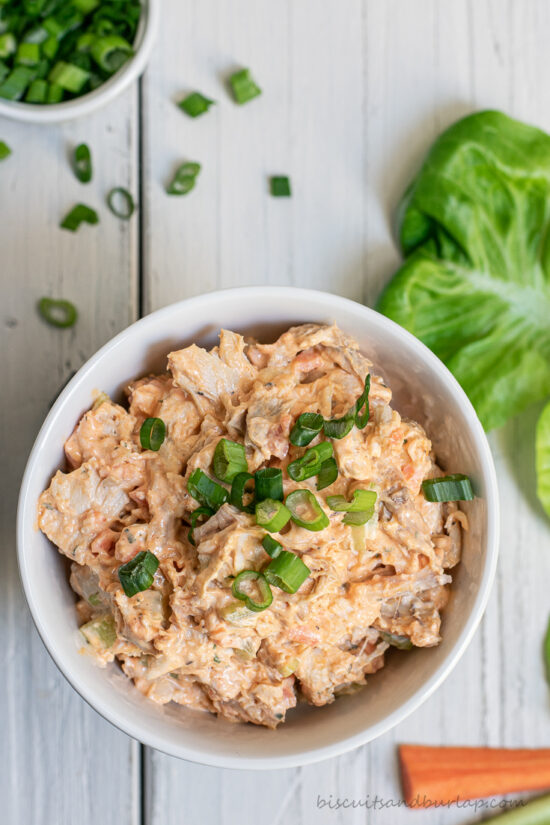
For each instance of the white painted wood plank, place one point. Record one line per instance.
(354, 95)
(61, 762)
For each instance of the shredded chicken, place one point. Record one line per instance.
(185, 638)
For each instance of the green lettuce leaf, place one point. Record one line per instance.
(475, 285)
(542, 445)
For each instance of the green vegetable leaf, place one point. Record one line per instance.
(475, 285)
(542, 449)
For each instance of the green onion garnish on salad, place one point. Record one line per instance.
(184, 179)
(362, 403)
(306, 511)
(152, 434)
(205, 490)
(82, 163)
(57, 312)
(200, 514)
(264, 595)
(79, 214)
(272, 515)
(340, 427)
(359, 510)
(327, 474)
(243, 86)
(269, 484)
(306, 428)
(138, 574)
(287, 571)
(121, 203)
(238, 491)
(311, 462)
(448, 488)
(195, 104)
(271, 546)
(229, 460)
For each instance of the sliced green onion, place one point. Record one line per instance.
(265, 596)
(28, 54)
(195, 104)
(5, 150)
(272, 515)
(327, 474)
(205, 490)
(50, 47)
(86, 6)
(340, 427)
(83, 163)
(271, 546)
(311, 462)
(306, 511)
(287, 571)
(58, 313)
(15, 84)
(152, 434)
(84, 42)
(238, 489)
(69, 77)
(55, 93)
(79, 214)
(361, 419)
(229, 460)
(195, 516)
(306, 428)
(395, 640)
(121, 203)
(111, 52)
(184, 179)
(8, 44)
(243, 86)
(448, 488)
(359, 510)
(37, 92)
(269, 483)
(280, 187)
(138, 574)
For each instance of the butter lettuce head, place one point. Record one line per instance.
(475, 286)
(543, 458)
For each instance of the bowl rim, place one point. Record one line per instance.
(85, 104)
(365, 735)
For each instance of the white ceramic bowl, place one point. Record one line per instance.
(423, 388)
(69, 109)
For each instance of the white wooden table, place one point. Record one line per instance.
(354, 92)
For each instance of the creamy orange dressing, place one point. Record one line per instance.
(186, 639)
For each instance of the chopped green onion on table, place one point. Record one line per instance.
(195, 104)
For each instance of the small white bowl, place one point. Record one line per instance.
(79, 106)
(423, 388)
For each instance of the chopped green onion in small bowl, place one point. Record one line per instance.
(64, 58)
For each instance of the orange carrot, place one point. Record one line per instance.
(439, 775)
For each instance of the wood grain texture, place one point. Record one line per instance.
(354, 93)
(61, 762)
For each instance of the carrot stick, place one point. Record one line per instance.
(439, 775)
